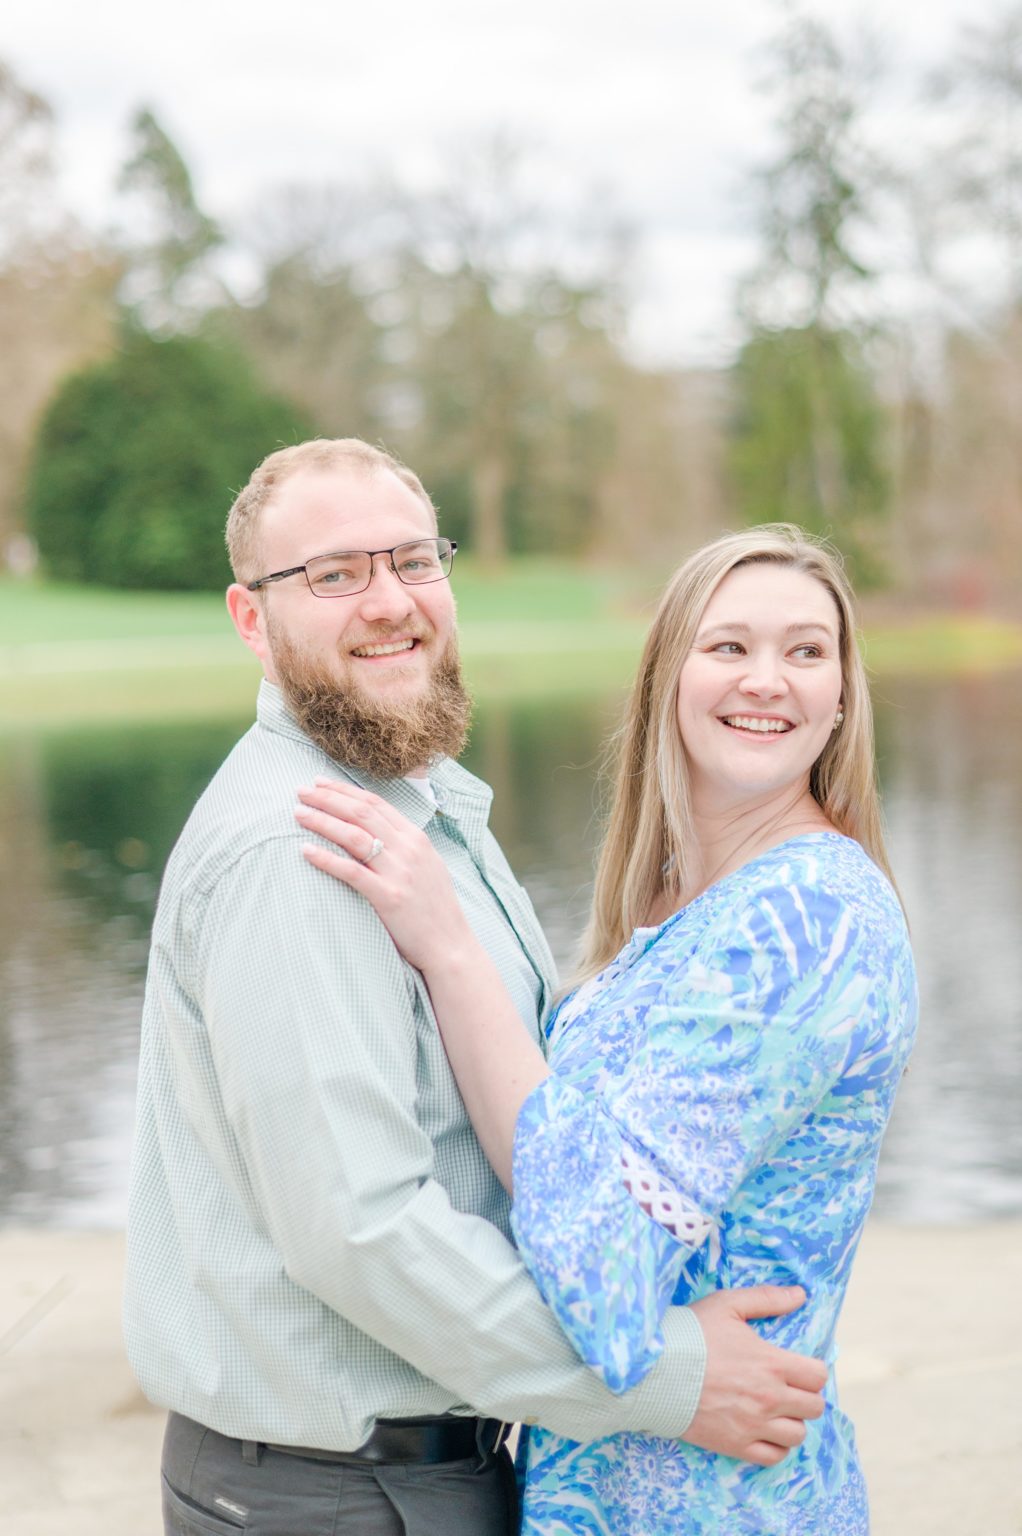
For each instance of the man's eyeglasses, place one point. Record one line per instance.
(345, 574)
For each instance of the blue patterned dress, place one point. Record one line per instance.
(713, 1118)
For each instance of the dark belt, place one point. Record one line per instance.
(410, 1440)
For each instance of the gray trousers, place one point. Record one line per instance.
(210, 1490)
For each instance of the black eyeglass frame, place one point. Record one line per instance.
(253, 586)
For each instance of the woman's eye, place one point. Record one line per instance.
(728, 648)
(811, 652)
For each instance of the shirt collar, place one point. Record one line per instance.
(460, 795)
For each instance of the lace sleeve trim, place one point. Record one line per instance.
(667, 1206)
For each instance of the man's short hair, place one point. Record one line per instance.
(242, 533)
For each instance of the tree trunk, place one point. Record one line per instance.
(489, 485)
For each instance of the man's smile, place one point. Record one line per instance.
(384, 648)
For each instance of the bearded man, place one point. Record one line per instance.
(321, 1286)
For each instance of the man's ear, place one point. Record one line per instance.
(248, 618)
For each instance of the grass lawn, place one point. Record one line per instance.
(944, 644)
(37, 612)
(536, 628)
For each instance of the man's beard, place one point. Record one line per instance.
(387, 738)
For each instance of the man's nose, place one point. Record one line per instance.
(386, 596)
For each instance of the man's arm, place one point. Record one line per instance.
(310, 1013)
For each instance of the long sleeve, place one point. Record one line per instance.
(619, 1180)
(315, 1238)
(311, 1022)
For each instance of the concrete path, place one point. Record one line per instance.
(931, 1371)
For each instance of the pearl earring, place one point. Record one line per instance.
(838, 719)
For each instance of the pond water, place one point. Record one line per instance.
(87, 819)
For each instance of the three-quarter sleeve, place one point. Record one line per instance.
(619, 1180)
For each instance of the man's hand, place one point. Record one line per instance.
(755, 1396)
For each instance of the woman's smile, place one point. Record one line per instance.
(758, 725)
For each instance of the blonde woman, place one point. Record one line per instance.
(719, 1080)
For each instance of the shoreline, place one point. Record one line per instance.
(929, 1365)
(185, 677)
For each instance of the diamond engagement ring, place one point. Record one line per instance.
(375, 851)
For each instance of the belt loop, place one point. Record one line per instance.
(251, 1452)
(490, 1436)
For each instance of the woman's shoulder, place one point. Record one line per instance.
(815, 895)
(826, 868)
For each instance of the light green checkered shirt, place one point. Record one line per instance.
(314, 1237)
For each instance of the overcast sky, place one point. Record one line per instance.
(654, 99)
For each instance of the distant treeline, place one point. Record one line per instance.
(481, 335)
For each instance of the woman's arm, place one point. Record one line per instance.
(498, 1067)
(605, 1252)
(735, 1044)
(494, 1059)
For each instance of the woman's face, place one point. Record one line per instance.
(759, 691)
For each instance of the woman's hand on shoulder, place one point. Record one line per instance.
(390, 862)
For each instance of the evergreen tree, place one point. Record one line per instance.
(169, 282)
(808, 436)
(807, 440)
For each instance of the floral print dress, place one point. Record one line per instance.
(713, 1118)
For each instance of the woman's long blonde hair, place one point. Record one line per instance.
(649, 842)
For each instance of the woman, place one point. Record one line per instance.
(720, 1079)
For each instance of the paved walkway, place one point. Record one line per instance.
(931, 1369)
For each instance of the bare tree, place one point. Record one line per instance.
(477, 330)
(26, 163)
(975, 197)
(513, 345)
(314, 321)
(56, 287)
(979, 175)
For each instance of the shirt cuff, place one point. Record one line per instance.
(665, 1401)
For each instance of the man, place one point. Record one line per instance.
(320, 1283)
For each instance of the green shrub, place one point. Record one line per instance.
(138, 459)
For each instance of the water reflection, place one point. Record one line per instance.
(87, 820)
(953, 795)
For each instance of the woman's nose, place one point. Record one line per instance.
(764, 675)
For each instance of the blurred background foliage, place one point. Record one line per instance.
(481, 333)
(136, 452)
